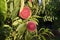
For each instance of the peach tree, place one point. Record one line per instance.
(19, 19)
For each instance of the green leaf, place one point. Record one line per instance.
(43, 3)
(15, 9)
(44, 33)
(37, 37)
(3, 8)
(42, 29)
(21, 28)
(17, 22)
(51, 33)
(30, 4)
(3, 11)
(7, 26)
(48, 31)
(28, 36)
(16, 18)
(43, 37)
(22, 5)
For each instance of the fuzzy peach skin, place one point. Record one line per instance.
(25, 13)
(31, 26)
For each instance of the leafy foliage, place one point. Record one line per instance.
(3, 10)
(17, 30)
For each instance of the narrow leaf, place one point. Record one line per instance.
(3, 9)
(43, 37)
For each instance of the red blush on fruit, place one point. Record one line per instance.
(25, 13)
